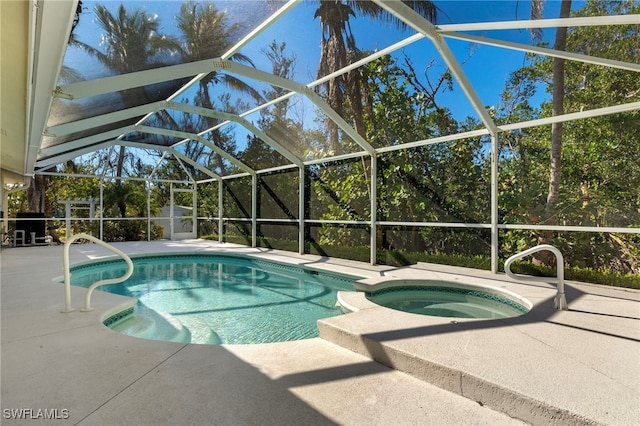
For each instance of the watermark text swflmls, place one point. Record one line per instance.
(35, 413)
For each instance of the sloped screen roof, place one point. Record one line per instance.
(236, 86)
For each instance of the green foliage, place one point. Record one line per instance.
(437, 183)
(129, 230)
(600, 172)
(126, 199)
(576, 273)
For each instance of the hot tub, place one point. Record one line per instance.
(440, 298)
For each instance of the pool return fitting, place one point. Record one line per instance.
(67, 274)
(560, 301)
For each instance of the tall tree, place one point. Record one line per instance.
(338, 49)
(205, 34)
(558, 83)
(131, 43)
(600, 175)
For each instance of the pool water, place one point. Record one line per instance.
(448, 302)
(213, 299)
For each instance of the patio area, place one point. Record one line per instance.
(580, 366)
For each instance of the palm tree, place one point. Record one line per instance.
(338, 49)
(131, 43)
(205, 34)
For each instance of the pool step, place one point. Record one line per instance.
(443, 374)
(200, 331)
(155, 325)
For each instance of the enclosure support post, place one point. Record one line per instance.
(101, 209)
(494, 204)
(67, 218)
(373, 208)
(194, 203)
(148, 211)
(220, 221)
(301, 211)
(171, 211)
(5, 209)
(254, 209)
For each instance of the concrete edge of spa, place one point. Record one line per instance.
(580, 366)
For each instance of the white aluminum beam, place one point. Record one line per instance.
(544, 23)
(305, 91)
(198, 166)
(254, 210)
(220, 210)
(420, 24)
(100, 86)
(238, 175)
(436, 224)
(197, 138)
(277, 168)
(373, 206)
(616, 109)
(61, 158)
(70, 155)
(110, 178)
(244, 123)
(260, 28)
(564, 228)
(544, 51)
(336, 158)
(112, 117)
(439, 139)
(85, 142)
(301, 210)
(263, 220)
(495, 217)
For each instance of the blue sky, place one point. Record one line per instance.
(304, 40)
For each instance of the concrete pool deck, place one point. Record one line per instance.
(580, 366)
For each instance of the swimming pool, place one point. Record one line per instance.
(218, 299)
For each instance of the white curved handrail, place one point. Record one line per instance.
(67, 274)
(560, 301)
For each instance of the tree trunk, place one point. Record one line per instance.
(36, 193)
(120, 164)
(555, 172)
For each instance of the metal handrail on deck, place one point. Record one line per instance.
(67, 274)
(560, 301)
